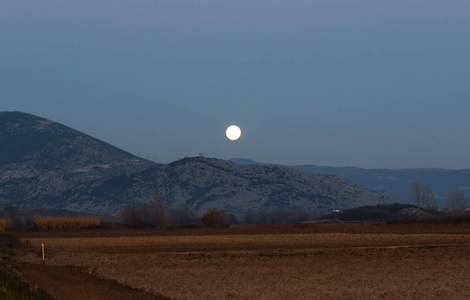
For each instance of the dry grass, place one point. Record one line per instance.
(355, 228)
(65, 222)
(3, 224)
(209, 243)
(274, 266)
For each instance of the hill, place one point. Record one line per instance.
(41, 158)
(201, 183)
(394, 183)
(46, 164)
(384, 212)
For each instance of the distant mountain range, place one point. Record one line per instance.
(46, 164)
(394, 183)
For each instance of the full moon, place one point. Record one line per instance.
(233, 132)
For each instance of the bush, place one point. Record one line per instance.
(64, 222)
(384, 212)
(278, 216)
(136, 216)
(3, 224)
(181, 217)
(12, 286)
(145, 215)
(214, 218)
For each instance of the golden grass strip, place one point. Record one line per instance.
(53, 223)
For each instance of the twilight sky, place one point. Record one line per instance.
(373, 83)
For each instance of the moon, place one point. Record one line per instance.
(233, 132)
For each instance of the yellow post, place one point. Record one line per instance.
(43, 259)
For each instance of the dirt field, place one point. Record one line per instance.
(269, 266)
(66, 282)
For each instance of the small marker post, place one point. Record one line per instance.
(43, 258)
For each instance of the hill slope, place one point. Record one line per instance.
(395, 183)
(46, 164)
(39, 158)
(202, 183)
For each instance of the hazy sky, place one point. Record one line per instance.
(376, 84)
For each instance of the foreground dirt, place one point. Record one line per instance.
(290, 266)
(66, 282)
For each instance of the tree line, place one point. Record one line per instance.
(456, 202)
(156, 214)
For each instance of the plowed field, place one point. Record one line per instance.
(271, 266)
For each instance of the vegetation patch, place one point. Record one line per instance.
(13, 287)
(385, 212)
(65, 223)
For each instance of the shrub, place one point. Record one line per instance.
(181, 217)
(132, 215)
(384, 212)
(214, 218)
(144, 214)
(12, 286)
(278, 216)
(40, 222)
(3, 224)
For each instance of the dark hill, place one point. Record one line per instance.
(46, 164)
(391, 182)
(39, 157)
(200, 183)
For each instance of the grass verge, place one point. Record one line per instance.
(13, 287)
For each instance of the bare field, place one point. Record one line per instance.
(272, 266)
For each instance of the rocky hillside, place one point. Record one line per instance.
(46, 164)
(40, 158)
(201, 183)
(395, 183)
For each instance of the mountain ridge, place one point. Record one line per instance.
(47, 164)
(199, 183)
(393, 182)
(41, 157)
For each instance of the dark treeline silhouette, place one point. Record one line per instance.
(386, 212)
(145, 215)
(277, 216)
(214, 218)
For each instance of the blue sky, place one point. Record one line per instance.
(376, 84)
